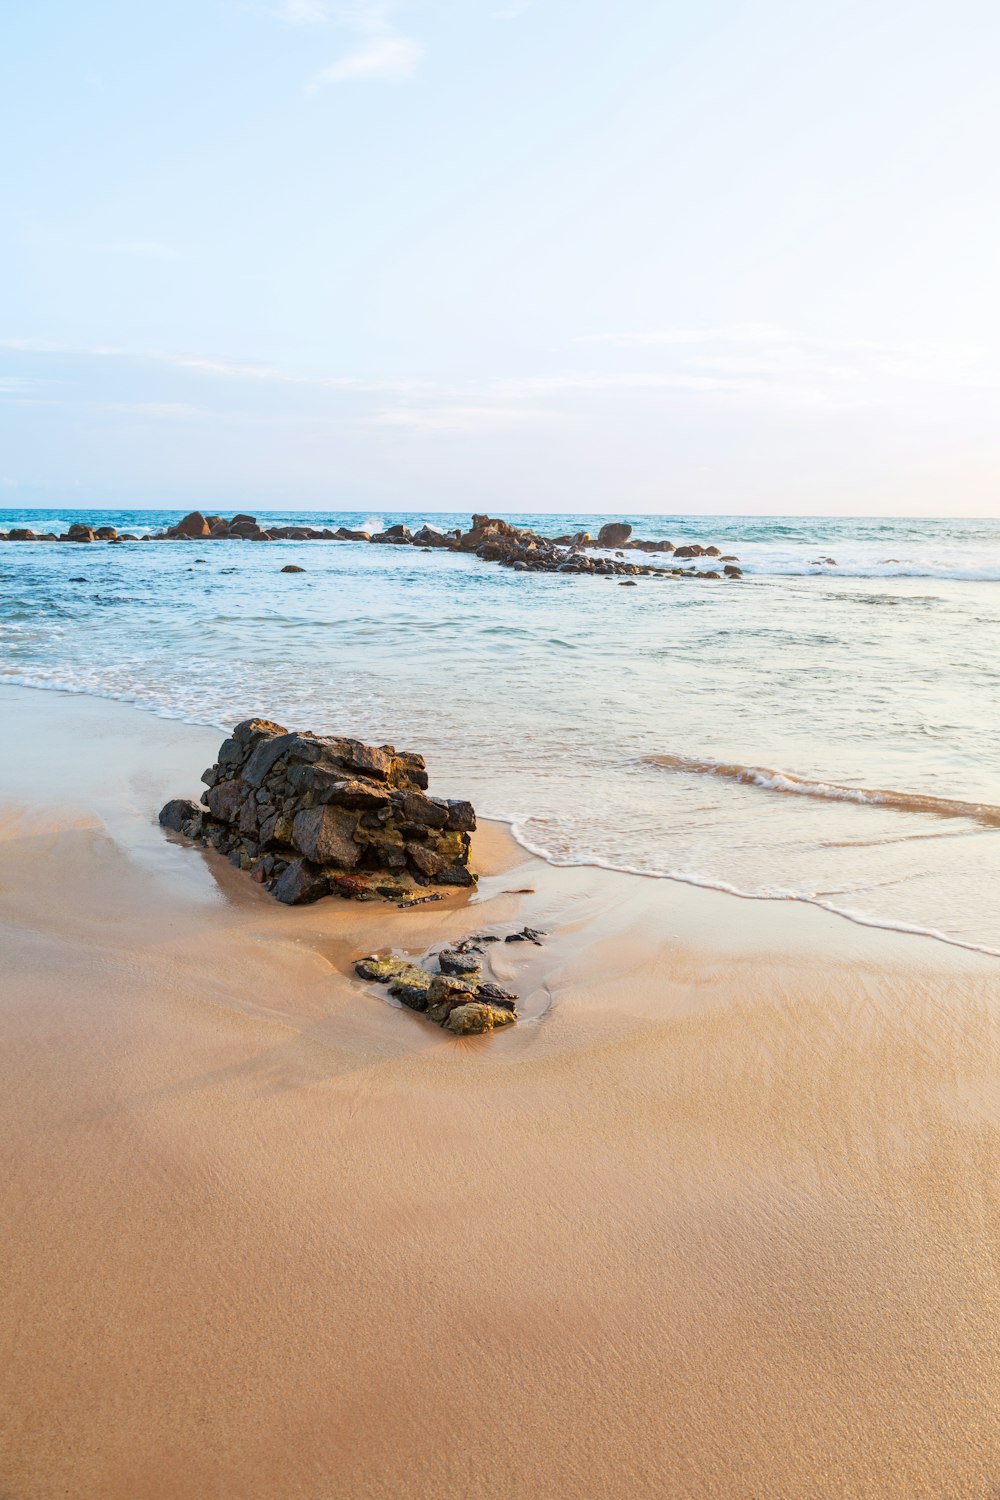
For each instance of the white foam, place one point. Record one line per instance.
(707, 882)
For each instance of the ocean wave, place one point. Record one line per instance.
(724, 887)
(801, 786)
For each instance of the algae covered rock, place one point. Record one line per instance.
(311, 815)
(463, 1003)
(475, 1017)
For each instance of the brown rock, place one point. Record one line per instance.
(325, 836)
(193, 524)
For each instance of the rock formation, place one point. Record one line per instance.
(311, 816)
(490, 539)
(457, 997)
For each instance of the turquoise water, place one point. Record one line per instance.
(819, 731)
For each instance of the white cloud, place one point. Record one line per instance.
(382, 52)
(222, 369)
(753, 366)
(385, 57)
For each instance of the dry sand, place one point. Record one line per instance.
(718, 1219)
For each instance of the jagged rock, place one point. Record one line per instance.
(326, 836)
(453, 961)
(410, 986)
(444, 992)
(310, 815)
(496, 996)
(299, 883)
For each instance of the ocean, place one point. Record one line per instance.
(824, 730)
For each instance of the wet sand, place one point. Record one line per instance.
(718, 1218)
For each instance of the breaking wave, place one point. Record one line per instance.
(801, 786)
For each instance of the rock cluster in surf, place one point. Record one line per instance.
(310, 816)
(492, 540)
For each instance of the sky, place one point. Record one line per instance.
(527, 255)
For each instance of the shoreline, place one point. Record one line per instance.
(715, 1218)
(534, 852)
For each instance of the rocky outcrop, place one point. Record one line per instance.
(492, 540)
(311, 816)
(456, 997)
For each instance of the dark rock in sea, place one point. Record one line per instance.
(732, 572)
(491, 539)
(327, 815)
(627, 583)
(614, 534)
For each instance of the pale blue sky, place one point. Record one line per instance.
(503, 254)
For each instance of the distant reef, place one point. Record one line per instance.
(515, 547)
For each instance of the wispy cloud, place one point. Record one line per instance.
(764, 362)
(382, 51)
(457, 416)
(220, 368)
(300, 12)
(756, 367)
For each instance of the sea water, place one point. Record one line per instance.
(825, 729)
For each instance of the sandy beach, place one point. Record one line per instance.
(718, 1218)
